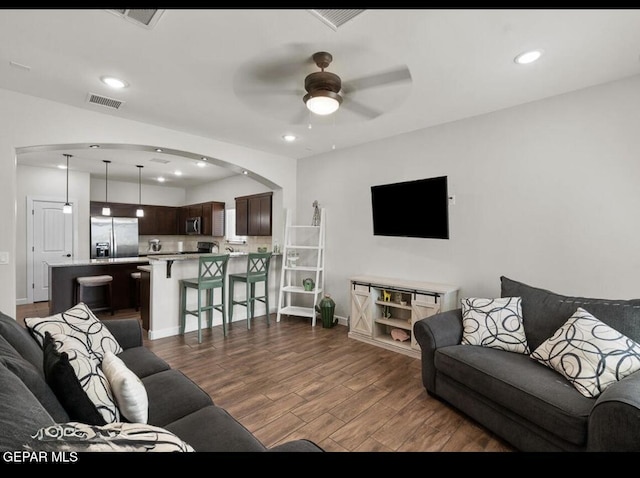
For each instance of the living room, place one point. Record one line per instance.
(545, 191)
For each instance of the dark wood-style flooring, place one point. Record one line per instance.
(291, 380)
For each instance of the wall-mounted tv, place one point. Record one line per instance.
(418, 208)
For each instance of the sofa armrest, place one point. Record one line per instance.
(128, 332)
(300, 445)
(431, 333)
(614, 423)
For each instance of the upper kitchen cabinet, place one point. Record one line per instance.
(157, 220)
(211, 215)
(253, 215)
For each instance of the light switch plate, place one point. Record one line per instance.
(4, 257)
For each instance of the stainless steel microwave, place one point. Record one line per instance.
(193, 225)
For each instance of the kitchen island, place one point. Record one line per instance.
(165, 272)
(62, 282)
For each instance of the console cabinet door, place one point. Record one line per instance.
(422, 306)
(361, 320)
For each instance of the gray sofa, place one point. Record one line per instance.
(176, 403)
(529, 405)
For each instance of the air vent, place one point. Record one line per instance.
(104, 101)
(158, 160)
(335, 18)
(145, 17)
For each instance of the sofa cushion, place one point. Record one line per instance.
(21, 340)
(33, 379)
(21, 414)
(142, 361)
(127, 388)
(495, 323)
(522, 385)
(589, 353)
(113, 437)
(78, 382)
(172, 396)
(544, 312)
(223, 433)
(79, 323)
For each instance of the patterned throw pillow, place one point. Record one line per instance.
(128, 389)
(495, 323)
(114, 437)
(80, 324)
(589, 353)
(78, 382)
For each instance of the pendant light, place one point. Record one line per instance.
(139, 211)
(67, 209)
(106, 210)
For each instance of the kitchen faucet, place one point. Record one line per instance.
(229, 248)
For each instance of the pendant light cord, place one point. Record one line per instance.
(67, 156)
(106, 180)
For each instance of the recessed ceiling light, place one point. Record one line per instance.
(204, 159)
(201, 164)
(528, 57)
(94, 146)
(245, 171)
(289, 138)
(114, 82)
(177, 173)
(62, 166)
(158, 150)
(161, 179)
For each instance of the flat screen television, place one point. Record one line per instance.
(418, 208)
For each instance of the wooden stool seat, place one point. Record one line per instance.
(95, 281)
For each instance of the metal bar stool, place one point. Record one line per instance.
(83, 283)
(257, 271)
(212, 270)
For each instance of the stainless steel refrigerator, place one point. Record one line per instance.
(114, 237)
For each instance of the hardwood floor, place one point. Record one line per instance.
(291, 380)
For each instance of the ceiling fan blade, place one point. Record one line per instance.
(360, 109)
(381, 79)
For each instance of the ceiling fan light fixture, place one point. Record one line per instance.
(323, 102)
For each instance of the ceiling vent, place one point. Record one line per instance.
(158, 160)
(104, 101)
(145, 17)
(335, 18)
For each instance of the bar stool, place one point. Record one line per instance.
(136, 279)
(86, 282)
(257, 271)
(212, 270)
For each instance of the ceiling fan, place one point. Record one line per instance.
(274, 85)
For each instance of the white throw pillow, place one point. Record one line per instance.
(494, 323)
(128, 389)
(113, 437)
(589, 353)
(79, 323)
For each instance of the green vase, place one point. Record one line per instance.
(326, 308)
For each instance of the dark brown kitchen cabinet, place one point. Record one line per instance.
(253, 215)
(157, 220)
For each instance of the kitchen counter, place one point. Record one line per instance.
(101, 261)
(62, 282)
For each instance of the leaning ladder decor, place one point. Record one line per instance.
(305, 244)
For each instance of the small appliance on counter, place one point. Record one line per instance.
(154, 245)
(207, 247)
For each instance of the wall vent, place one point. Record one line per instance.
(335, 18)
(104, 101)
(144, 17)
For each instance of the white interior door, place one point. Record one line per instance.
(52, 242)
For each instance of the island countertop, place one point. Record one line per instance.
(100, 262)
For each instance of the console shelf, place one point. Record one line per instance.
(380, 305)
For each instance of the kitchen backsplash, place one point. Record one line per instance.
(172, 243)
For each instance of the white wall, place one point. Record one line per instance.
(30, 121)
(48, 184)
(547, 193)
(127, 192)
